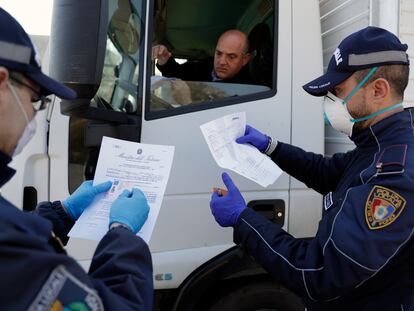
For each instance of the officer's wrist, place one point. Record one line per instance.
(271, 146)
(65, 207)
(118, 225)
(238, 216)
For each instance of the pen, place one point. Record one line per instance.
(221, 192)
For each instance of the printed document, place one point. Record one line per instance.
(244, 159)
(128, 165)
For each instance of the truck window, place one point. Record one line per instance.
(190, 31)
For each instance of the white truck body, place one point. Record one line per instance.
(186, 235)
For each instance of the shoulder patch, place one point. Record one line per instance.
(63, 291)
(383, 207)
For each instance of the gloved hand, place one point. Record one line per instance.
(130, 209)
(255, 138)
(83, 197)
(227, 209)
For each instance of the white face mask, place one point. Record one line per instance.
(30, 128)
(27, 135)
(336, 114)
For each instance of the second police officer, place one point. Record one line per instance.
(361, 257)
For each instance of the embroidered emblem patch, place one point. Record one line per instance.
(63, 291)
(383, 207)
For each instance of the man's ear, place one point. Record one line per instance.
(4, 77)
(246, 58)
(381, 90)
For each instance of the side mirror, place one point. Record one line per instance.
(96, 56)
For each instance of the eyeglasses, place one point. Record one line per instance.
(39, 101)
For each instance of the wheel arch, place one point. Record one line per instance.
(231, 266)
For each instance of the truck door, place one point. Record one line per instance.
(174, 109)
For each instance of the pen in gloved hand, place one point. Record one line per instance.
(220, 192)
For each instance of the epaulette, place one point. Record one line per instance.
(391, 160)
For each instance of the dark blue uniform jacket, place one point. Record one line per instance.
(37, 274)
(362, 257)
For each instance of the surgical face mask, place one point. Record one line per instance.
(30, 128)
(336, 112)
(29, 132)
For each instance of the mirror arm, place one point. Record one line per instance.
(74, 108)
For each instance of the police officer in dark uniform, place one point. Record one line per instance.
(36, 273)
(362, 255)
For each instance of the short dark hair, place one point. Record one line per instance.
(396, 75)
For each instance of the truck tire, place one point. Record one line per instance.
(263, 296)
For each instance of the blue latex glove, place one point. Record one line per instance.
(83, 197)
(227, 209)
(255, 138)
(130, 209)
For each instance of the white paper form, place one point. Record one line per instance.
(128, 165)
(244, 159)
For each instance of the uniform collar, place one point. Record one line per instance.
(6, 173)
(386, 128)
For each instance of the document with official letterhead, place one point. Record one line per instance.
(244, 159)
(128, 165)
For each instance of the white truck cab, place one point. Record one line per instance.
(102, 49)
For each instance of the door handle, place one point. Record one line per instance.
(274, 210)
(29, 199)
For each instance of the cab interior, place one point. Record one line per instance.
(190, 29)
